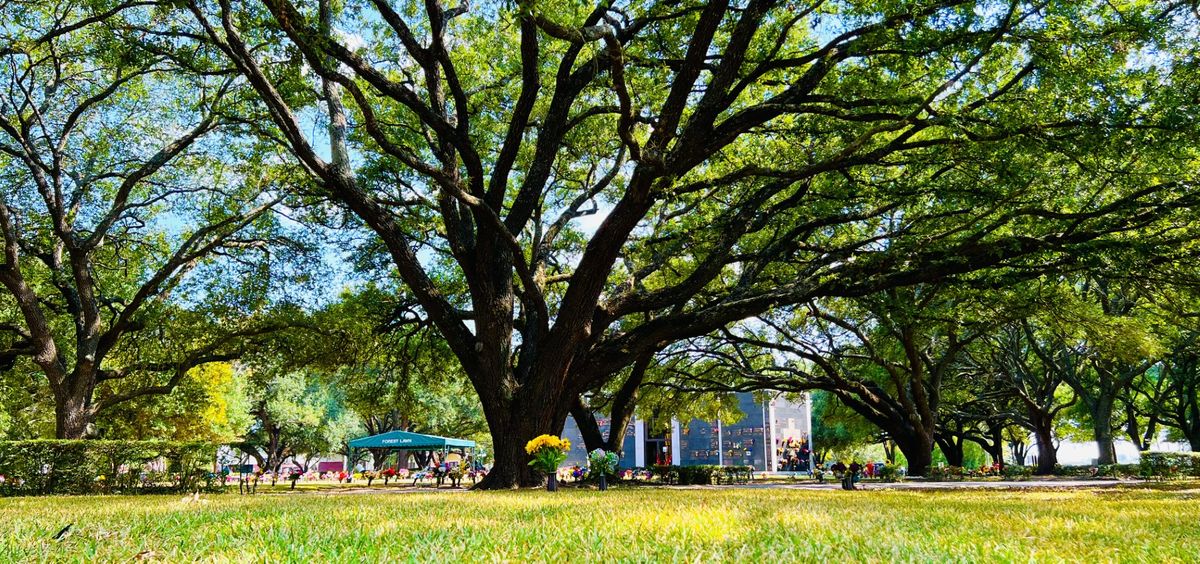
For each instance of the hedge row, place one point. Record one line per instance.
(44, 467)
(1167, 465)
(703, 474)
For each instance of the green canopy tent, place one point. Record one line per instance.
(403, 440)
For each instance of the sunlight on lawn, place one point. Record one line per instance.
(646, 524)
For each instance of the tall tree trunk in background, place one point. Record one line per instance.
(589, 428)
(1019, 451)
(918, 451)
(889, 451)
(1192, 434)
(1102, 430)
(1047, 455)
(621, 410)
(953, 449)
(995, 447)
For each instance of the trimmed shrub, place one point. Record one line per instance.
(944, 473)
(735, 474)
(889, 473)
(1016, 472)
(1118, 470)
(46, 467)
(666, 474)
(1169, 465)
(701, 475)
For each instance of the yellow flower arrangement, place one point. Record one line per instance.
(547, 442)
(548, 451)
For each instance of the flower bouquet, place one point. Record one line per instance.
(388, 474)
(456, 473)
(548, 452)
(602, 464)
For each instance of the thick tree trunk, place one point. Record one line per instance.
(1193, 439)
(524, 420)
(72, 417)
(510, 463)
(1047, 454)
(1042, 425)
(1103, 433)
(918, 452)
(995, 446)
(953, 450)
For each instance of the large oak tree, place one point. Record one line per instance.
(735, 156)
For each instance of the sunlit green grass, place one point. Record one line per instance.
(633, 525)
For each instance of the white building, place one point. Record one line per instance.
(769, 419)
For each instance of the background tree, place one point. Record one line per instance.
(1168, 394)
(1029, 365)
(839, 429)
(210, 404)
(119, 190)
(886, 356)
(1117, 347)
(296, 416)
(973, 411)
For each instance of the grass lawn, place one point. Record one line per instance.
(640, 524)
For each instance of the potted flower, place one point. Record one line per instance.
(388, 474)
(602, 463)
(370, 476)
(548, 451)
(456, 474)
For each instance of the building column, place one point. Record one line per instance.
(720, 445)
(766, 438)
(675, 443)
(808, 428)
(639, 446)
(772, 457)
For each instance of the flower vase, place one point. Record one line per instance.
(603, 482)
(552, 482)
